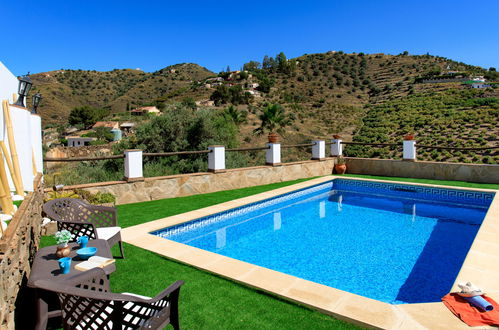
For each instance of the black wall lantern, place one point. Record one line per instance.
(36, 101)
(25, 84)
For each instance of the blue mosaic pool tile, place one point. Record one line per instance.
(414, 191)
(208, 220)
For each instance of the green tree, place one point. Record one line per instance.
(243, 75)
(181, 130)
(251, 66)
(234, 95)
(265, 83)
(189, 102)
(266, 63)
(237, 116)
(104, 133)
(269, 63)
(86, 115)
(221, 95)
(282, 62)
(273, 119)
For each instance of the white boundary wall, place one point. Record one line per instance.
(27, 131)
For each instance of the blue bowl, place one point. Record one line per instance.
(86, 253)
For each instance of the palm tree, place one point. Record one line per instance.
(274, 119)
(237, 116)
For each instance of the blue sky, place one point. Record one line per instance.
(107, 34)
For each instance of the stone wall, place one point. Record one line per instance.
(75, 152)
(17, 248)
(200, 183)
(480, 173)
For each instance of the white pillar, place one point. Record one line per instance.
(409, 150)
(36, 138)
(273, 155)
(319, 149)
(133, 165)
(216, 159)
(336, 147)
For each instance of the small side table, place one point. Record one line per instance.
(46, 267)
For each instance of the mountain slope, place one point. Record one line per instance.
(325, 93)
(63, 90)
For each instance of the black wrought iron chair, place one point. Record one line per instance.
(87, 303)
(81, 218)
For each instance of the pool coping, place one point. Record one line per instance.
(480, 266)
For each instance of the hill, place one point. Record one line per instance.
(116, 90)
(325, 94)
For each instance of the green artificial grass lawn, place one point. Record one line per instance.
(208, 301)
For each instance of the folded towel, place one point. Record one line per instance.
(469, 290)
(469, 314)
(480, 303)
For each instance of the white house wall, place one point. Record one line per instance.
(36, 141)
(21, 124)
(27, 131)
(8, 84)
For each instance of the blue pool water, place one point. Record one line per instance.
(391, 242)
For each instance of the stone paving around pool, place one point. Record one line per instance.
(481, 266)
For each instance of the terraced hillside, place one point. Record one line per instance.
(454, 118)
(328, 93)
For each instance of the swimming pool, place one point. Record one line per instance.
(391, 242)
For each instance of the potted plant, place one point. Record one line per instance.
(274, 119)
(340, 167)
(409, 137)
(62, 238)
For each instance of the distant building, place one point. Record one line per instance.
(79, 141)
(107, 124)
(215, 79)
(254, 93)
(208, 103)
(253, 85)
(480, 84)
(476, 84)
(127, 128)
(478, 79)
(145, 110)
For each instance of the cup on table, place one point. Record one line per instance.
(83, 241)
(65, 265)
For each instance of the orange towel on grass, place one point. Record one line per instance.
(470, 315)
